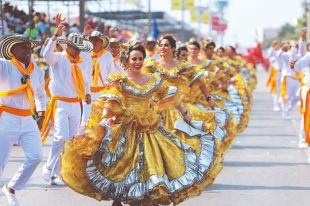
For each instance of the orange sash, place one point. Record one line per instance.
(50, 114)
(47, 91)
(307, 118)
(96, 70)
(23, 88)
(77, 75)
(14, 111)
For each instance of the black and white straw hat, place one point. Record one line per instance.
(78, 41)
(7, 42)
(105, 39)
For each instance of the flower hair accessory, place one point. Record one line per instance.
(125, 51)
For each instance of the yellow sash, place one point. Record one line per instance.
(283, 89)
(77, 75)
(96, 69)
(50, 114)
(272, 80)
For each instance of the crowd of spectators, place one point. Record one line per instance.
(37, 26)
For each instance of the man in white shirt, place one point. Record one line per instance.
(21, 93)
(302, 63)
(114, 48)
(289, 82)
(101, 62)
(274, 77)
(150, 48)
(69, 86)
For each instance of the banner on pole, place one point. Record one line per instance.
(133, 2)
(195, 17)
(205, 18)
(176, 4)
(190, 4)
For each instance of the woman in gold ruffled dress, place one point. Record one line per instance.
(193, 86)
(128, 154)
(213, 84)
(239, 87)
(223, 85)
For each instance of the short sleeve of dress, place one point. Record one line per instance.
(111, 99)
(166, 97)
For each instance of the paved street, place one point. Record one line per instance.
(264, 168)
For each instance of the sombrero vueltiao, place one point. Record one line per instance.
(77, 41)
(105, 39)
(7, 42)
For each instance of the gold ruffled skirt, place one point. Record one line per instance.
(119, 162)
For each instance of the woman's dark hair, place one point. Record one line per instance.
(137, 47)
(180, 49)
(172, 41)
(127, 48)
(220, 48)
(232, 48)
(210, 44)
(193, 42)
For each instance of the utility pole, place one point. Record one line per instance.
(200, 21)
(307, 17)
(149, 17)
(2, 19)
(82, 14)
(30, 7)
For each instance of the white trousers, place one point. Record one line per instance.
(276, 97)
(66, 125)
(292, 96)
(25, 131)
(86, 112)
(303, 93)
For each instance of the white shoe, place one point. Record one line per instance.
(46, 173)
(302, 144)
(276, 109)
(308, 155)
(56, 182)
(285, 116)
(12, 200)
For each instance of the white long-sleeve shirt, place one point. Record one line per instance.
(10, 78)
(271, 55)
(285, 59)
(106, 66)
(303, 65)
(303, 62)
(61, 83)
(278, 62)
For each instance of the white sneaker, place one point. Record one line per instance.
(12, 200)
(308, 155)
(46, 173)
(285, 115)
(276, 109)
(56, 182)
(302, 144)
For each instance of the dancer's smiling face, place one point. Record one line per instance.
(165, 48)
(135, 61)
